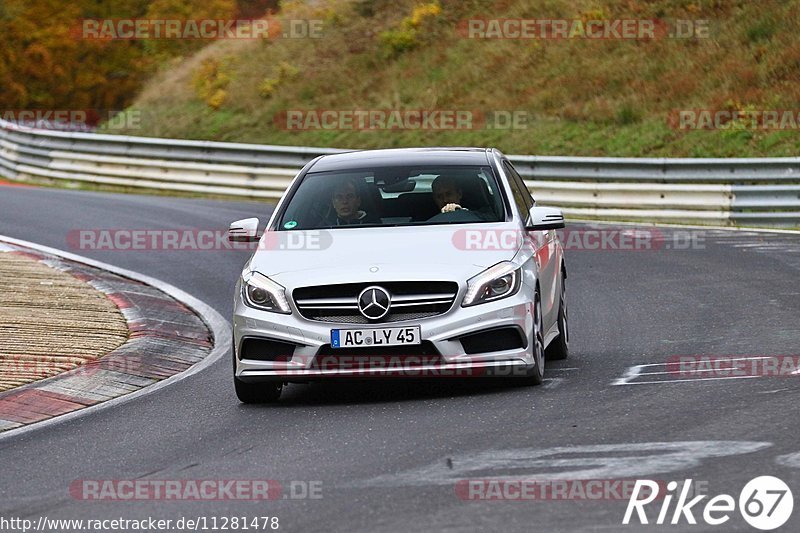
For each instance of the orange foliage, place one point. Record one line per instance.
(45, 63)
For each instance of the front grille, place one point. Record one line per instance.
(411, 300)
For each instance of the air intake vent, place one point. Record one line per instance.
(493, 340)
(258, 349)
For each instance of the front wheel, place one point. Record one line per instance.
(559, 347)
(268, 392)
(535, 374)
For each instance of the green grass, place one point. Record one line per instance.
(583, 97)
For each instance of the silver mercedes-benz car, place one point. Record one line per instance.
(429, 262)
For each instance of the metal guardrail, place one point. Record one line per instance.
(762, 192)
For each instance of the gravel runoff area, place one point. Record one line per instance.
(51, 321)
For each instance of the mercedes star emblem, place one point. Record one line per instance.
(374, 302)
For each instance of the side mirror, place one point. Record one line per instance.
(545, 218)
(244, 231)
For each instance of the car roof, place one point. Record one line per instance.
(402, 157)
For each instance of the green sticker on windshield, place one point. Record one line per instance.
(290, 225)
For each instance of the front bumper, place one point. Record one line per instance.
(312, 340)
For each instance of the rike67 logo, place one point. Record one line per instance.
(765, 503)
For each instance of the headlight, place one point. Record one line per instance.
(500, 281)
(260, 292)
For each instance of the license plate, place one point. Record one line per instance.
(370, 337)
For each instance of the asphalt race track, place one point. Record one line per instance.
(388, 456)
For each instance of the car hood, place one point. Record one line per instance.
(378, 254)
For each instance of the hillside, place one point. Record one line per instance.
(600, 97)
(49, 63)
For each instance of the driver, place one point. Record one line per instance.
(447, 194)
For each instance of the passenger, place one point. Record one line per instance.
(346, 201)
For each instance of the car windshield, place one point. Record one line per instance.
(397, 196)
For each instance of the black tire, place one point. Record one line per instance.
(558, 350)
(535, 374)
(268, 392)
